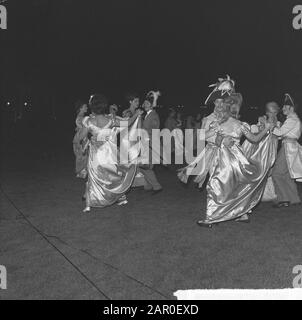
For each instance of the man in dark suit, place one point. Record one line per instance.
(150, 122)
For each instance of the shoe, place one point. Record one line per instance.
(87, 209)
(154, 192)
(123, 202)
(204, 224)
(281, 204)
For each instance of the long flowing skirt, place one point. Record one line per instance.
(201, 166)
(254, 151)
(237, 182)
(108, 178)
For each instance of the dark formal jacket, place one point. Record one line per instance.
(150, 122)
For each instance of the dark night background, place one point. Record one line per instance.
(69, 49)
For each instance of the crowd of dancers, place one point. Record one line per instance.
(241, 163)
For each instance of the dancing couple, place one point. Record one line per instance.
(98, 153)
(238, 174)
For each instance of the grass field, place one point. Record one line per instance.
(147, 249)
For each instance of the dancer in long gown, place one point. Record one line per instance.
(236, 183)
(108, 180)
(80, 141)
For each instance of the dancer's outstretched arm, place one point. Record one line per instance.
(255, 138)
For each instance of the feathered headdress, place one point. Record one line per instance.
(222, 89)
(154, 95)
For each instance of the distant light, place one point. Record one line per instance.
(25, 103)
(8, 103)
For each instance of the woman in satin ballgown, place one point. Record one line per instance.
(236, 183)
(254, 151)
(108, 179)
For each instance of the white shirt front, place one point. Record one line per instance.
(291, 128)
(148, 112)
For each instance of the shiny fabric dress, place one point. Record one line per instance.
(255, 151)
(108, 180)
(237, 182)
(80, 150)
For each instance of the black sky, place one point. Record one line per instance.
(75, 47)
